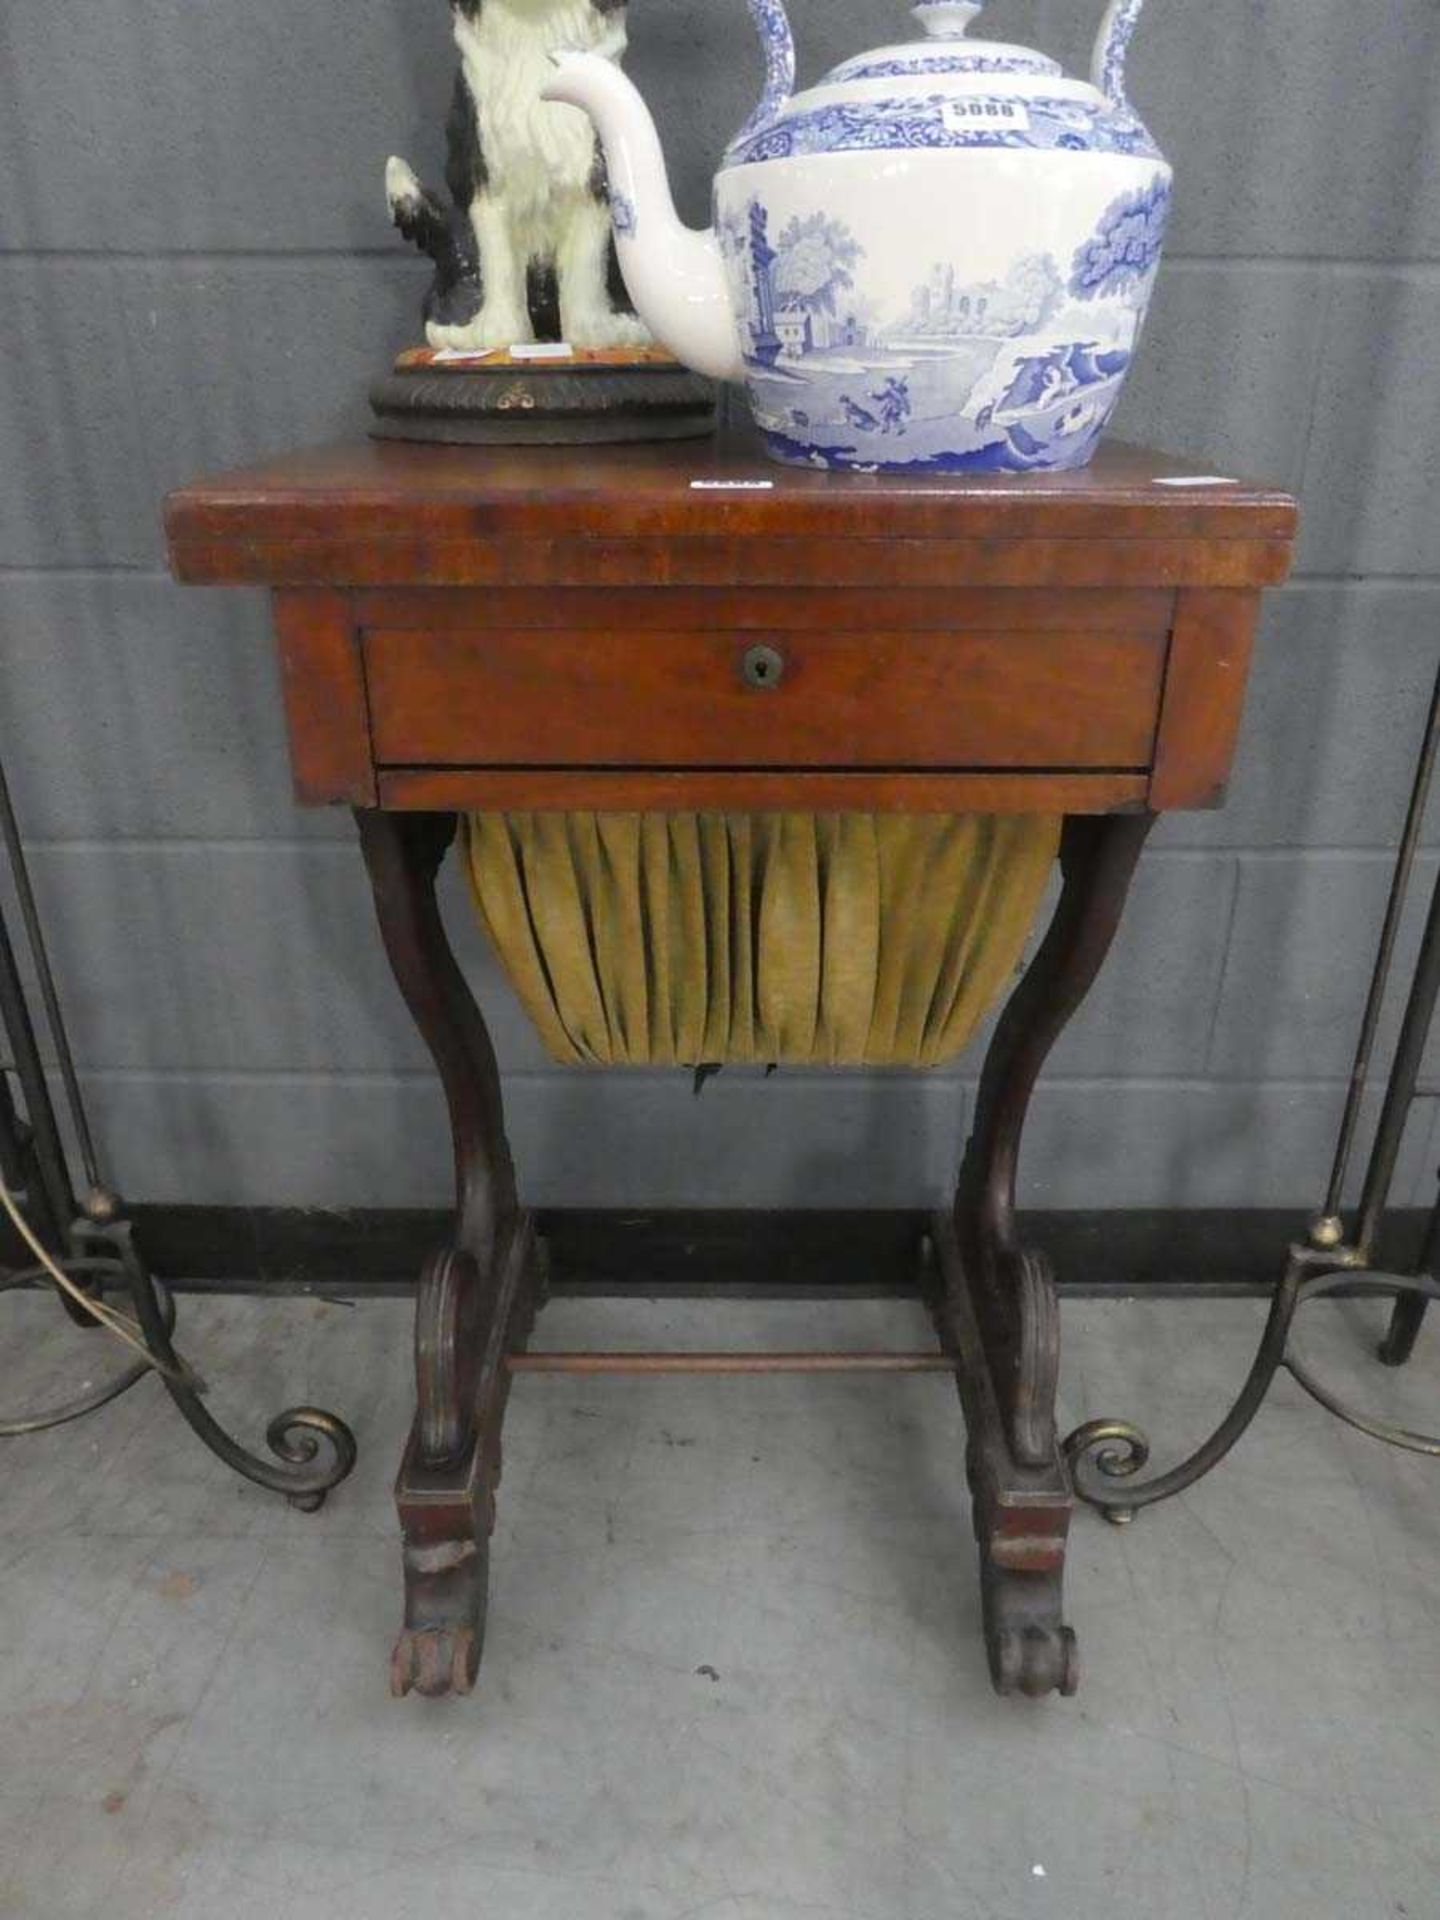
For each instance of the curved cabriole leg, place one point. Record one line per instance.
(1014, 1288)
(477, 1296)
(995, 1300)
(403, 854)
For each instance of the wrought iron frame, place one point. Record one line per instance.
(1106, 1457)
(93, 1241)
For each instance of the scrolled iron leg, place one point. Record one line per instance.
(94, 1272)
(314, 1450)
(477, 1295)
(1106, 1457)
(1315, 1287)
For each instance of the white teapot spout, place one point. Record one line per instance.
(675, 275)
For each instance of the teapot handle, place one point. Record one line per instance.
(772, 23)
(1117, 30)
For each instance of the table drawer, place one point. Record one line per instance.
(763, 698)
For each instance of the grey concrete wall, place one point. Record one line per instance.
(195, 268)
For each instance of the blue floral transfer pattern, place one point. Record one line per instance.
(1126, 247)
(1110, 69)
(772, 23)
(1016, 372)
(940, 122)
(927, 61)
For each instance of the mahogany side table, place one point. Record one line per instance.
(535, 629)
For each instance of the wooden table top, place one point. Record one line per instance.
(382, 513)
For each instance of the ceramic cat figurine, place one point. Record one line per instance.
(527, 184)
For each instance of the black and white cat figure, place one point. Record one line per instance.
(526, 181)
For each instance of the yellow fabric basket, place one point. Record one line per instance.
(684, 939)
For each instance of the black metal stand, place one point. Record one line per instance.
(93, 1243)
(1107, 1456)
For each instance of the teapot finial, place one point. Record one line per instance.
(947, 19)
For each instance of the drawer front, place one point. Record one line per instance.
(589, 697)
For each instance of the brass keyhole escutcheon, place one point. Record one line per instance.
(762, 667)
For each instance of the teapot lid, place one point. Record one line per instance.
(944, 50)
(943, 90)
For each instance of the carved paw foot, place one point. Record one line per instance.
(1031, 1650)
(435, 1661)
(1035, 1661)
(446, 1591)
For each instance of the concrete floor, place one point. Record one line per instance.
(733, 1665)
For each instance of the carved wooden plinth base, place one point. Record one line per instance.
(1022, 1511)
(499, 400)
(450, 1474)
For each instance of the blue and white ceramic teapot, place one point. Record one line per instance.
(939, 258)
